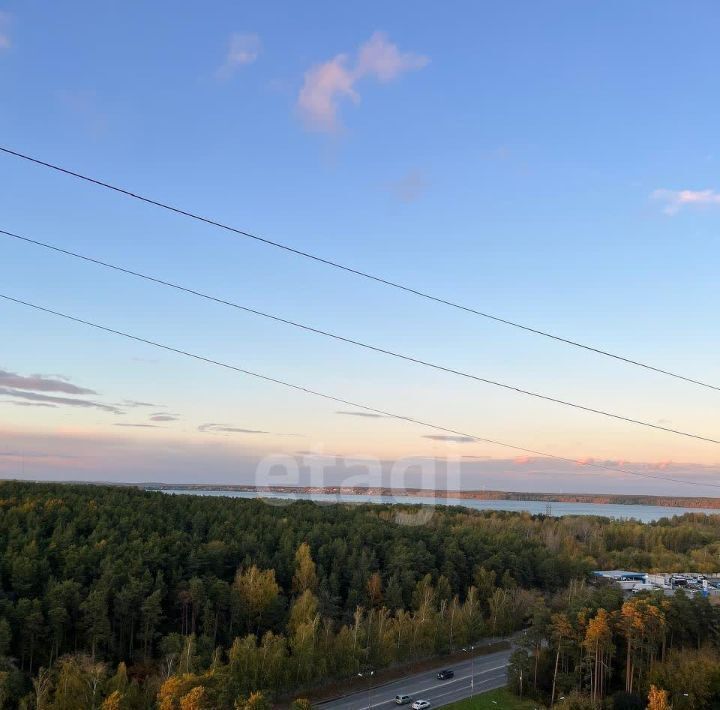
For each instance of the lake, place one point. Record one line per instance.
(643, 513)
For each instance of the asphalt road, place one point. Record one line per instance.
(490, 672)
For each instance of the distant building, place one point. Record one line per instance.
(668, 583)
(621, 575)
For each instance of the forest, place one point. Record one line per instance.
(119, 598)
(594, 649)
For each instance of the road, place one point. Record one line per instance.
(490, 672)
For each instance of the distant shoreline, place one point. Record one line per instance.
(595, 498)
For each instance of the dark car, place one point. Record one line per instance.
(444, 675)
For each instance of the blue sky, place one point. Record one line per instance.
(553, 163)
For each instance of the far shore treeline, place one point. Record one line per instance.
(593, 498)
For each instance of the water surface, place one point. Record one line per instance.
(643, 513)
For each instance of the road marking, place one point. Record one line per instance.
(440, 695)
(438, 685)
(457, 680)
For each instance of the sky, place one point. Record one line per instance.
(554, 164)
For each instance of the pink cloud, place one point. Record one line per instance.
(675, 200)
(585, 461)
(137, 454)
(327, 83)
(324, 85)
(5, 42)
(381, 58)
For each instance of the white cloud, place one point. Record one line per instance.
(675, 200)
(243, 49)
(327, 83)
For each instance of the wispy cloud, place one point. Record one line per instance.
(675, 200)
(243, 49)
(29, 404)
(5, 42)
(62, 401)
(30, 391)
(20, 455)
(134, 403)
(226, 429)
(41, 383)
(86, 109)
(164, 418)
(369, 415)
(409, 187)
(330, 456)
(450, 437)
(326, 84)
(139, 426)
(158, 457)
(381, 58)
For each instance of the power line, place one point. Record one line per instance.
(358, 272)
(367, 346)
(340, 400)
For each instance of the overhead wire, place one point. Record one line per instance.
(341, 400)
(358, 343)
(358, 272)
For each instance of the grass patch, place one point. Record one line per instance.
(500, 699)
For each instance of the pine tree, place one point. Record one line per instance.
(95, 618)
(151, 614)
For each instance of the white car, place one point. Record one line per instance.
(420, 704)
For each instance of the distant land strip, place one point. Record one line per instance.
(597, 498)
